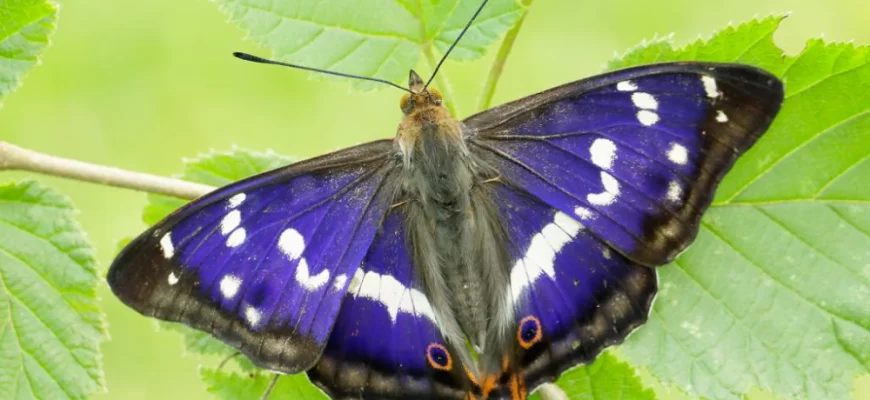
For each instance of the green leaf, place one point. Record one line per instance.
(216, 169)
(377, 38)
(233, 386)
(51, 325)
(774, 293)
(607, 378)
(24, 29)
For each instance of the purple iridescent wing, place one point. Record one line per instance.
(637, 152)
(572, 294)
(386, 343)
(263, 264)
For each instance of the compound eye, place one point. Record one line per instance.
(435, 96)
(405, 103)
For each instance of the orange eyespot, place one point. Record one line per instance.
(405, 102)
(529, 332)
(439, 357)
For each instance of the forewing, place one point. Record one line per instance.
(262, 264)
(639, 151)
(572, 294)
(386, 343)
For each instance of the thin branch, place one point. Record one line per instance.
(16, 158)
(442, 81)
(488, 90)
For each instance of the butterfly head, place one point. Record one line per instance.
(419, 97)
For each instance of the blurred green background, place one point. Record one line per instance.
(142, 84)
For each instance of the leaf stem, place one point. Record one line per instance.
(442, 81)
(16, 158)
(488, 90)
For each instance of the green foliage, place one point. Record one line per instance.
(383, 38)
(774, 293)
(51, 325)
(607, 378)
(24, 29)
(233, 386)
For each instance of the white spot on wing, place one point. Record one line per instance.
(710, 86)
(608, 196)
(230, 285)
(583, 213)
(237, 237)
(308, 281)
(541, 254)
(172, 279)
(647, 117)
(291, 243)
(569, 225)
(231, 221)
(603, 152)
(236, 200)
(253, 316)
(370, 287)
(338, 282)
(166, 246)
(678, 154)
(675, 192)
(356, 281)
(626, 86)
(644, 101)
(721, 117)
(392, 294)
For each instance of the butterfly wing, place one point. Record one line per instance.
(263, 264)
(572, 295)
(640, 151)
(386, 343)
(599, 180)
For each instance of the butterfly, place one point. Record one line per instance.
(473, 259)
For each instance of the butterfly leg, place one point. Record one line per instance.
(227, 359)
(270, 387)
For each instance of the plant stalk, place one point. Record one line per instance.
(17, 158)
(488, 90)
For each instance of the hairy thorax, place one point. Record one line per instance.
(449, 219)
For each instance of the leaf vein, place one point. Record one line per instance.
(797, 148)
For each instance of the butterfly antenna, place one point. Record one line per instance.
(253, 58)
(458, 38)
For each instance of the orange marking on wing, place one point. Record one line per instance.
(488, 385)
(527, 344)
(518, 387)
(505, 364)
(471, 377)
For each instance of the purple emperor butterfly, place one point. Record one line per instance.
(462, 260)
